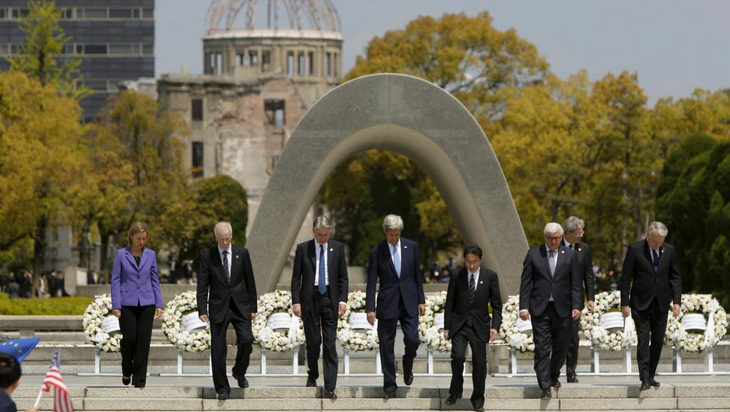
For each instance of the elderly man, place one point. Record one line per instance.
(651, 271)
(319, 292)
(574, 231)
(396, 263)
(551, 294)
(226, 272)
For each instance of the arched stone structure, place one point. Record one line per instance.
(410, 116)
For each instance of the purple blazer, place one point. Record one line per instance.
(132, 285)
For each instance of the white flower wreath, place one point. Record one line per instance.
(278, 301)
(697, 341)
(197, 340)
(95, 313)
(365, 339)
(519, 341)
(614, 339)
(428, 330)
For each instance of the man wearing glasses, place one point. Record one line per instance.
(551, 294)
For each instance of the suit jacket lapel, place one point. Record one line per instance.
(312, 253)
(130, 259)
(330, 256)
(217, 263)
(235, 263)
(546, 261)
(144, 258)
(385, 251)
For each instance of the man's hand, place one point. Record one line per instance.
(446, 335)
(117, 313)
(253, 315)
(492, 334)
(203, 318)
(576, 314)
(297, 309)
(675, 310)
(158, 313)
(626, 311)
(341, 310)
(590, 305)
(421, 309)
(371, 318)
(524, 315)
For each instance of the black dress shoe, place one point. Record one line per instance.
(126, 380)
(645, 386)
(555, 383)
(139, 385)
(329, 394)
(546, 394)
(311, 382)
(223, 394)
(572, 379)
(452, 399)
(408, 379)
(479, 406)
(389, 395)
(653, 382)
(242, 381)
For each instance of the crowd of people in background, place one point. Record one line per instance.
(50, 284)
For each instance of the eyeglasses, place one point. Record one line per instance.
(472, 262)
(554, 239)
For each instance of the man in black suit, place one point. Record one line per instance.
(226, 272)
(467, 321)
(574, 231)
(319, 293)
(396, 263)
(551, 293)
(652, 266)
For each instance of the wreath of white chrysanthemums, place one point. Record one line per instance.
(427, 329)
(519, 341)
(356, 340)
(184, 304)
(697, 341)
(278, 301)
(590, 324)
(94, 315)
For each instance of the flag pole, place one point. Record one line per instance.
(38, 399)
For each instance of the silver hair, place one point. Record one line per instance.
(553, 227)
(573, 223)
(220, 226)
(658, 227)
(322, 222)
(392, 222)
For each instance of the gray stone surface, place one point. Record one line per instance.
(286, 404)
(708, 390)
(410, 116)
(703, 403)
(617, 404)
(149, 392)
(594, 392)
(374, 404)
(141, 404)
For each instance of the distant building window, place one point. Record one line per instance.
(274, 111)
(148, 13)
(300, 64)
(218, 63)
(310, 63)
(13, 49)
(198, 159)
(3, 14)
(328, 64)
(96, 84)
(95, 13)
(253, 57)
(290, 63)
(95, 49)
(265, 61)
(120, 13)
(240, 59)
(197, 109)
(148, 49)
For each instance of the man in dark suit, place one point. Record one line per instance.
(396, 263)
(467, 321)
(651, 272)
(319, 294)
(551, 293)
(574, 230)
(226, 272)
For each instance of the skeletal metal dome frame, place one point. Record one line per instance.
(319, 15)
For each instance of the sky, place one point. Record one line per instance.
(675, 46)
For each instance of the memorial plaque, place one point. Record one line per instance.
(612, 320)
(524, 326)
(694, 321)
(110, 324)
(191, 322)
(359, 321)
(279, 321)
(438, 321)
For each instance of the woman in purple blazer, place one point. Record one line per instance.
(136, 300)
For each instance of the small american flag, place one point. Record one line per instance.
(61, 399)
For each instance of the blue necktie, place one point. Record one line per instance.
(656, 260)
(396, 260)
(322, 287)
(472, 292)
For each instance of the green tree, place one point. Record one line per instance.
(694, 201)
(38, 55)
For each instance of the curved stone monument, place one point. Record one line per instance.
(410, 116)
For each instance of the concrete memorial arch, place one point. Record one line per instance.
(410, 116)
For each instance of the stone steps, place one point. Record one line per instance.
(693, 397)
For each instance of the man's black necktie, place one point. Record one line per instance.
(322, 285)
(656, 260)
(225, 265)
(472, 292)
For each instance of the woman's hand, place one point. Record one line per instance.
(158, 313)
(117, 313)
